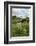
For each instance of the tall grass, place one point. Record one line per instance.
(19, 28)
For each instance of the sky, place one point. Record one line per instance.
(20, 12)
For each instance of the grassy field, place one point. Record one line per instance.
(19, 26)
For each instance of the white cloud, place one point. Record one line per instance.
(20, 12)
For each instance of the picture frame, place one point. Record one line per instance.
(19, 11)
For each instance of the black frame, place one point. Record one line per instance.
(6, 41)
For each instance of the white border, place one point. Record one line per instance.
(30, 37)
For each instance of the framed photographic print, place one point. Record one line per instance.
(19, 22)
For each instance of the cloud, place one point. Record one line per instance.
(20, 12)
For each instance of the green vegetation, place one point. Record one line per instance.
(20, 26)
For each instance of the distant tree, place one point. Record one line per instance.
(27, 19)
(14, 17)
(23, 20)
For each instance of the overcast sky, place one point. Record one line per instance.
(20, 12)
